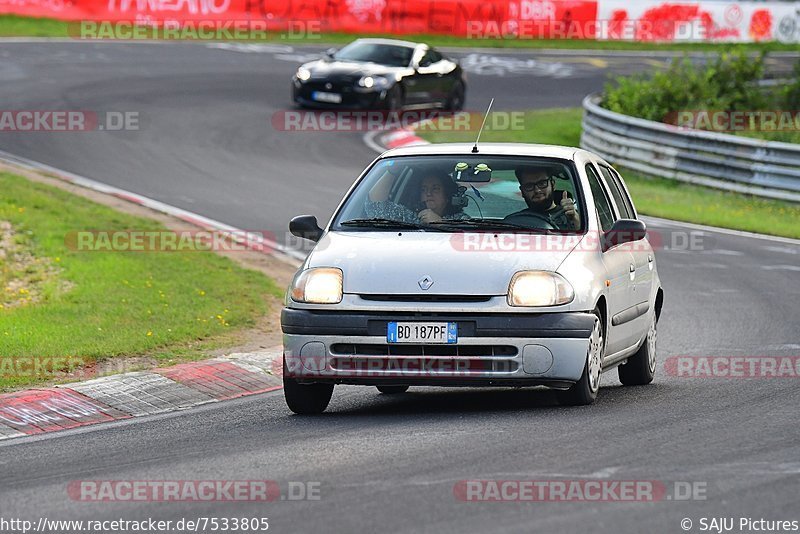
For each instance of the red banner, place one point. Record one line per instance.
(649, 20)
(472, 18)
(703, 21)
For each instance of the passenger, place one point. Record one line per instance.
(435, 201)
(538, 188)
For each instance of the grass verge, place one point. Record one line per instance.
(78, 307)
(653, 196)
(19, 26)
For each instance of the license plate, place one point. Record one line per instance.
(441, 333)
(333, 98)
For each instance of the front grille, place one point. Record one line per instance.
(375, 349)
(426, 298)
(416, 360)
(336, 87)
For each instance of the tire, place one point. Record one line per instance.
(640, 368)
(306, 399)
(584, 391)
(455, 102)
(392, 390)
(394, 99)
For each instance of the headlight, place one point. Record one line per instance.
(321, 285)
(303, 74)
(378, 82)
(539, 288)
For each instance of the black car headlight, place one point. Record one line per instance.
(374, 82)
(303, 74)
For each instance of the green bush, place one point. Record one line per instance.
(791, 93)
(727, 83)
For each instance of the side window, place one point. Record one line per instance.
(436, 57)
(427, 60)
(618, 192)
(601, 203)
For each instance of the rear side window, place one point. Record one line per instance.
(601, 203)
(618, 192)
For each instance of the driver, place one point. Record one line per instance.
(537, 187)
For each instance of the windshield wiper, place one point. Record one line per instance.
(488, 225)
(385, 223)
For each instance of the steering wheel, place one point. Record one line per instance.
(531, 220)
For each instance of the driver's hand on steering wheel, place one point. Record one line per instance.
(569, 210)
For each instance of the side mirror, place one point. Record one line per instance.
(330, 52)
(624, 231)
(306, 227)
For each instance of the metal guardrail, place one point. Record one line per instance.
(753, 166)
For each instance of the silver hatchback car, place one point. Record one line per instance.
(446, 265)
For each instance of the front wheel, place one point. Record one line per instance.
(455, 102)
(394, 99)
(305, 399)
(641, 367)
(584, 391)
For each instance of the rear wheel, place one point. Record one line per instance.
(306, 398)
(641, 367)
(392, 390)
(584, 391)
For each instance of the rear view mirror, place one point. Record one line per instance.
(480, 173)
(330, 52)
(624, 231)
(306, 227)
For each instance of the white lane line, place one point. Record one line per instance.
(281, 252)
(781, 268)
(723, 252)
(783, 250)
(738, 233)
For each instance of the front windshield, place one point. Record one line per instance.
(383, 54)
(463, 193)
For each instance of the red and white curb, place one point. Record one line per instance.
(111, 398)
(380, 141)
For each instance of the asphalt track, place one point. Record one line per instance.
(391, 463)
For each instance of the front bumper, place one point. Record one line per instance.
(351, 98)
(493, 349)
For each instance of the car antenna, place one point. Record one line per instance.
(475, 148)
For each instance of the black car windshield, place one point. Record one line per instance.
(466, 193)
(382, 54)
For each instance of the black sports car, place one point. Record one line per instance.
(381, 74)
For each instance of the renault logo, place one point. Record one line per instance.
(426, 283)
